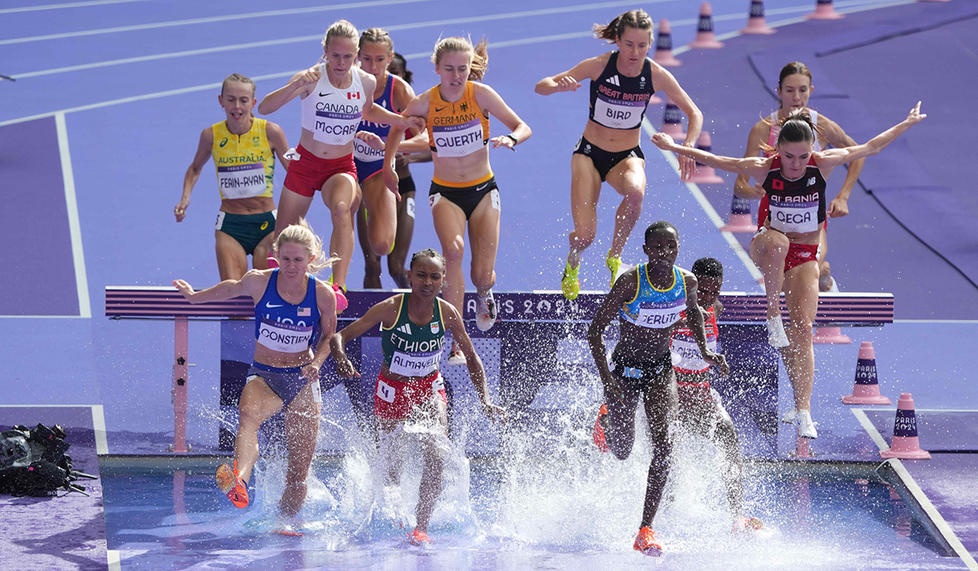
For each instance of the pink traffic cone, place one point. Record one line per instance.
(704, 29)
(663, 46)
(704, 174)
(755, 22)
(905, 443)
(740, 219)
(672, 121)
(824, 11)
(866, 388)
(830, 336)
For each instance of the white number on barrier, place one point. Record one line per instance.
(385, 391)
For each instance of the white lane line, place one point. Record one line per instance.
(65, 5)
(309, 38)
(208, 20)
(74, 226)
(916, 491)
(98, 423)
(114, 559)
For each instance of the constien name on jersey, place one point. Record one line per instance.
(285, 337)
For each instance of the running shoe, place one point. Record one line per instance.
(645, 542)
(806, 427)
(231, 484)
(776, 337)
(614, 264)
(341, 302)
(569, 283)
(486, 312)
(598, 432)
(271, 262)
(456, 357)
(790, 417)
(419, 537)
(748, 524)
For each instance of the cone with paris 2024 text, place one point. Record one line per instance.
(705, 38)
(905, 444)
(866, 388)
(663, 46)
(755, 21)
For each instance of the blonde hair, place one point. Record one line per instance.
(302, 234)
(237, 77)
(377, 36)
(479, 54)
(614, 30)
(341, 29)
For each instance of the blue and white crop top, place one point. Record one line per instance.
(655, 308)
(282, 326)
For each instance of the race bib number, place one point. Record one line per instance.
(414, 364)
(494, 199)
(317, 393)
(385, 392)
(794, 216)
(365, 153)
(458, 140)
(618, 114)
(686, 354)
(438, 384)
(409, 206)
(657, 315)
(242, 181)
(284, 337)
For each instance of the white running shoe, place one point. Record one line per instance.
(485, 312)
(790, 417)
(806, 427)
(456, 357)
(776, 336)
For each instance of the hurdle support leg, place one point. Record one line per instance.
(180, 366)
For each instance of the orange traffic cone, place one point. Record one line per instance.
(755, 22)
(663, 46)
(704, 29)
(824, 11)
(704, 174)
(672, 121)
(830, 336)
(866, 388)
(905, 443)
(740, 219)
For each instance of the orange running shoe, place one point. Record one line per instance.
(418, 537)
(645, 542)
(231, 484)
(748, 524)
(598, 432)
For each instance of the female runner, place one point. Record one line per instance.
(794, 181)
(377, 53)
(244, 150)
(335, 96)
(794, 89)
(294, 312)
(622, 82)
(463, 191)
(409, 386)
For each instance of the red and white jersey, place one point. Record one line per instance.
(685, 352)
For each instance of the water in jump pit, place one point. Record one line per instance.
(551, 501)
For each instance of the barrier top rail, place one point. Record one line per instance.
(849, 308)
